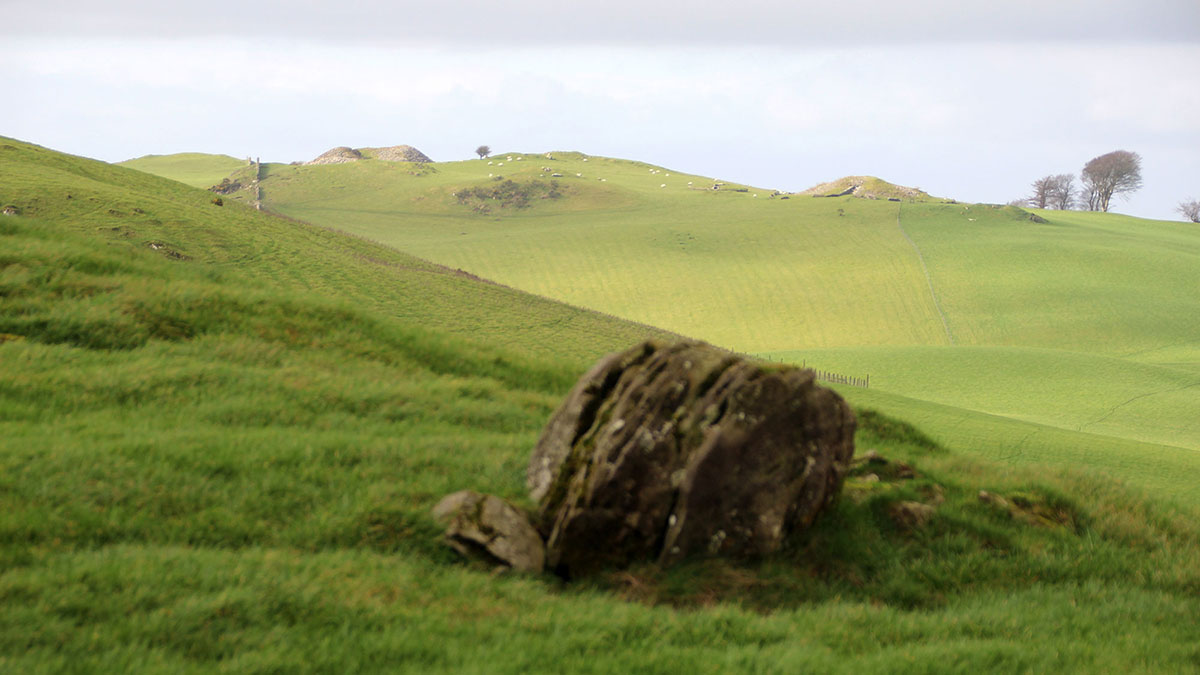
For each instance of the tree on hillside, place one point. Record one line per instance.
(1190, 210)
(1062, 191)
(1041, 192)
(483, 151)
(1053, 192)
(1116, 173)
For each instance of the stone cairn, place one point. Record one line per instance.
(664, 452)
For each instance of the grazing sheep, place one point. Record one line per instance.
(663, 185)
(579, 175)
(585, 159)
(489, 163)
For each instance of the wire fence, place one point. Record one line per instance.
(829, 376)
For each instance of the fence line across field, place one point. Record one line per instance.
(830, 376)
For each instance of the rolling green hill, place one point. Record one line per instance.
(191, 168)
(221, 433)
(1086, 323)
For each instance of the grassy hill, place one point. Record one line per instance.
(191, 168)
(221, 433)
(1086, 323)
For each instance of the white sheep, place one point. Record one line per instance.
(663, 185)
(579, 175)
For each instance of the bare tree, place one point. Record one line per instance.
(483, 151)
(1062, 191)
(1041, 192)
(1190, 210)
(1117, 173)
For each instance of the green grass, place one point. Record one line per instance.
(729, 267)
(1086, 323)
(226, 460)
(1096, 283)
(1070, 390)
(190, 168)
(129, 209)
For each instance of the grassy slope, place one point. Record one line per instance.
(139, 209)
(1074, 391)
(703, 263)
(1095, 283)
(1040, 312)
(221, 463)
(191, 168)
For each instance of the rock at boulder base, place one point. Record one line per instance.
(487, 526)
(667, 451)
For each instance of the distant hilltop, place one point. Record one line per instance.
(868, 187)
(395, 153)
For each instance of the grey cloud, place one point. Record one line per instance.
(624, 22)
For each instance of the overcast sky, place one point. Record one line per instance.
(965, 100)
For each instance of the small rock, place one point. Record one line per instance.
(933, 494)
(486, 526)
(910, 515)
(871, 457)
(989, 498)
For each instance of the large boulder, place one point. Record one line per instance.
(668, 451)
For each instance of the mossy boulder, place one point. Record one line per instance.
(668, 451)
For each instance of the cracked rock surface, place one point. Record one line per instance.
(667, 451)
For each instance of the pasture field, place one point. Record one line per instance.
(130, 208)
(1073, 391)
(728, 267)
(221, 433)
(1084, 324)
(190, 168)
(1096, 283)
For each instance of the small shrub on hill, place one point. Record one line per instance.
(506, 193)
